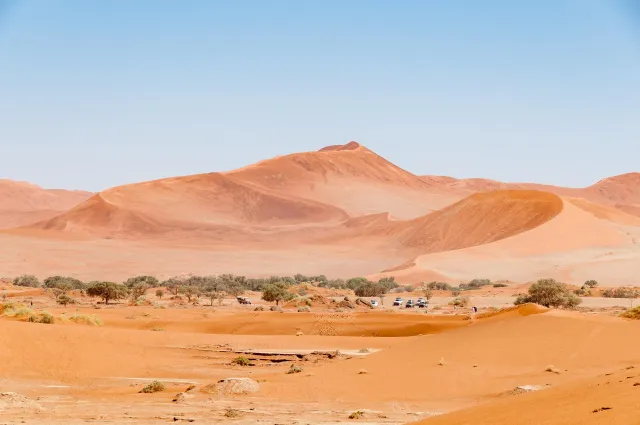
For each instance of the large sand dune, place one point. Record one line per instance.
(24, 203)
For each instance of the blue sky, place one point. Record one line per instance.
(95, 94)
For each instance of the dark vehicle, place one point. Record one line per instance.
(409, 304)
(423, 303)
(243, 300)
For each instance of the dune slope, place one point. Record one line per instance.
(24, 203)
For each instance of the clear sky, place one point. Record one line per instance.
(95, 94)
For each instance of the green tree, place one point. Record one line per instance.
(159, 293)
(549, 293)
(275, 292)
(107, 291)
(150, 281)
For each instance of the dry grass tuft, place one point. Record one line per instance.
(153, 387)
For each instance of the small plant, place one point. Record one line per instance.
(259, 308)
(232, 413)
(363, 350)
(356, 415)
(500, 285)
(85, 319)
(64, 299)
(304, 309)
(461, 302)
(241, 361)
(455, 292)
(294, 369)
(46, 318)
(632, 313)
(157, 330)
(153, 387)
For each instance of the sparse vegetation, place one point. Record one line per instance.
(461, 302)
(64, 299)
(549, 293)
(159, 293)
(358, 414)
(475, 284)
(294, 369)
(44, 317)
(153, 387)
(500, 285)
(241, 361)
(621, 293)
(231, 413)
(363, 350)
(632, 313)
(304, 309)
(439, 286)
(86, 319)
(28, 280)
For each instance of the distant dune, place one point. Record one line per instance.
(24, 203)
(343, 205)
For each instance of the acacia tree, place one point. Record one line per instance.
(107, 291)
(27, 280)
(549, 293)
(275, 292)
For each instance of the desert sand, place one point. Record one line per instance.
(342, 211)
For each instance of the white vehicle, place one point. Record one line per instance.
(398, 301)
(374, 303)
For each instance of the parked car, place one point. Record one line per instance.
(398, 301)
(423, 304)
(243, 300)
(409, 304)
(374, 303)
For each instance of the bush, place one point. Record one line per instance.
(159, 293)
(42, 318)
(85, 319)
(621, 293)
(549, 293)
(455, 292)
(500, 285)
(475, 284)
(64, 283)
(590, 283)
(632, 313)
(357, 414)
(241, 361)
(154, 387)
(428, 293)
(438, 286)
(294, 369)
(28, 280)
(370, 289)
(304, 309)
(461, 302)
(64, 299)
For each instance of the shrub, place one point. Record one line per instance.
(428, 293)
(370, 289)
(153, 387)
(621, 293)
(64, 283)
(150, 281)
(64, 299)
(294, 369)
(388, 282)
(241, 361)
(500, 285)
(16, 310)
(304, 309)
(159, 293)
(461, 301)
(232, 413)
(27, 280)
(259, 308)
(356, 415)
(42, 318)
(632, 313)
(455, 292)
(85, 319)
(475, 284)
(438, 286)
(355, 282)
(549, 293)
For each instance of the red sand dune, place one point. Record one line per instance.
(23, 203)
(479, 219)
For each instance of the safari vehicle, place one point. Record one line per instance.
(243, 300)
(397, 301)
(410, 304)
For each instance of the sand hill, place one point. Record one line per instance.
(24, 203)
